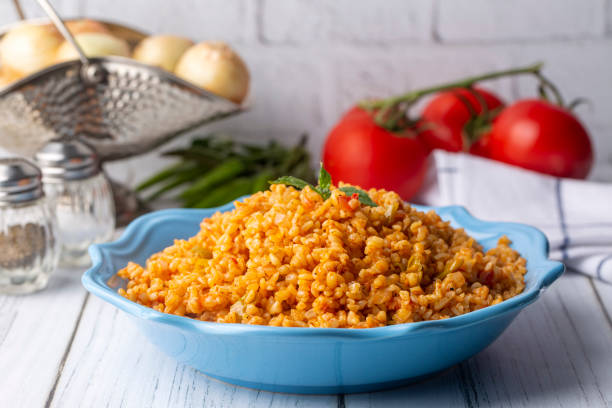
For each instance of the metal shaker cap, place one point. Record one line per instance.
(20, 182)
(62, 160)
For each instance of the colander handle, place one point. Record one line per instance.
(59, 23)
(90, 73)
(19, 9)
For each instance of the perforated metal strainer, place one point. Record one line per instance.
(119, 106)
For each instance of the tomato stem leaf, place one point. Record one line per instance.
(390, 113)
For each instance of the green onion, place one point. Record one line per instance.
(210, 163)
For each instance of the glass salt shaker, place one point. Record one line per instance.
(82, 197)
(28, 246)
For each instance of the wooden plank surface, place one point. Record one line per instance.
(35, 331)
(558, 352)
(604, 297)
(112, 364)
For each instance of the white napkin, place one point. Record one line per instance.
(575, 215)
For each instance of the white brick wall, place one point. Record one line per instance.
(192, 18)
(31, 9)
(365, 22)
(503, 20)
(312, 59)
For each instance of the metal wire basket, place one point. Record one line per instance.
(119, 106)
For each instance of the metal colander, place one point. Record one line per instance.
(120, 107)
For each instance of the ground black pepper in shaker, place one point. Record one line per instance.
(28, 246)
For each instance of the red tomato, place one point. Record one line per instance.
(447, 114)
(360, 152)
(481, 146)
(540, 136)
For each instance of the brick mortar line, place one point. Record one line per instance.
(389, 46)
(435, 15)
(608, 18)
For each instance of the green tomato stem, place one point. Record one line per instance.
(389, 111)
(548, 84)
(413, 96)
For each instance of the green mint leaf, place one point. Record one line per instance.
(324, 179)
(364, 198)
(323, 188)
(293, 181)
(323, 192)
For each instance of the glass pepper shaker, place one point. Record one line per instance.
(28, 246)
(82, 197)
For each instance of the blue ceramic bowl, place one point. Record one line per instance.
(316, 360)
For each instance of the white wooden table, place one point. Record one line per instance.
(65, 348)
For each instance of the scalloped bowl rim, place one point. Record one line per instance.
(136, 232)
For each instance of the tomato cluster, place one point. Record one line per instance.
(533, 133)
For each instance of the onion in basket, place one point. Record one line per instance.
(7, 77)
(29, 48)
(94, 45)
(216, 67)
(162, 51)
(86, 25)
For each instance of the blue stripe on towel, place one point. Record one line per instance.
(590, 224)
(447, 169)
(566, 240)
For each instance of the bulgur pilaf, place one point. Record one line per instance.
(286, 257)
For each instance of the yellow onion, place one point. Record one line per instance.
(28, 48)
(93, 45)
(216, 67)
(7, 77)
(161, 50)
(86, 25)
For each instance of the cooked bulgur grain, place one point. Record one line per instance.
(285, 257)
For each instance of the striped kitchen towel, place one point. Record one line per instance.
(575, 215)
